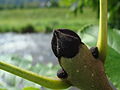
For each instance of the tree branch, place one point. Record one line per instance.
(85, 72)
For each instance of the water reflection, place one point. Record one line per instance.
(36, 45)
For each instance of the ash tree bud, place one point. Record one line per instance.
(62, 74)
(65, 43)
(94, 51)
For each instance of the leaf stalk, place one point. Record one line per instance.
(52, 83)
(102, 35)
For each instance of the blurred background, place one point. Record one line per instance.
(26, 30)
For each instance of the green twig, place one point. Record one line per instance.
(102, 35)
(41, 80)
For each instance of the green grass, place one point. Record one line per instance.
(44, 19)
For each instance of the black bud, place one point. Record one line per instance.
(62, 74)
(65, 43)
(94, 51)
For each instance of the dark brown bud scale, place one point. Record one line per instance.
(65, 43)
(62, 74)
(94, 51)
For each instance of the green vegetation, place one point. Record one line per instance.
(43, 20)
(77, 6)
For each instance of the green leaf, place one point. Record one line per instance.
(66, 2)
(2, 89)
(114, 40)
(89, 36)
(30, 88)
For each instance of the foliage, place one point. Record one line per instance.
(114, 15)
(89, 36)
(42, 20)
(30, 88)
(78, 5)
(113, 9)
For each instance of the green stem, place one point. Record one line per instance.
(102, 35)
(41, 80)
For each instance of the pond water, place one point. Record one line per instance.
(35, 45)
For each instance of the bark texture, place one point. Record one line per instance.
(84, 71)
